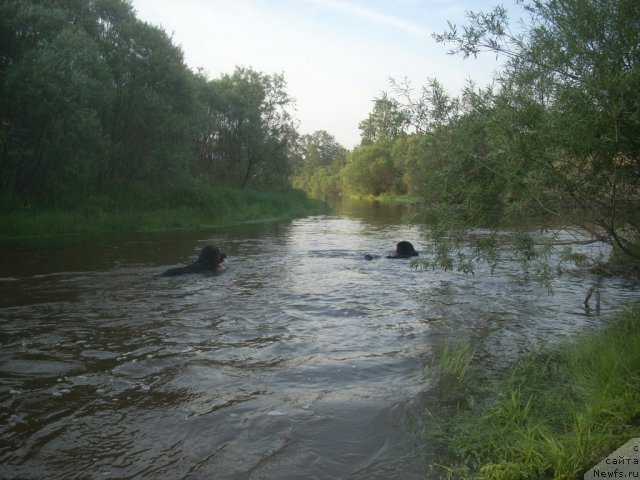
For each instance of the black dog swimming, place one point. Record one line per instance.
(404, 249)
(210, 260)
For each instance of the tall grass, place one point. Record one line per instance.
(555, 415)
(452, 364)
(143, 208)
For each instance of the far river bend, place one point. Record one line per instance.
(301, 361)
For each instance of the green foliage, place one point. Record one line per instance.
(142, 207)
(91, 97)
(324, 183)
(49, 125)
(319, 149)
(147, 118)
(248, 132)
(318, 160)
(385, 123)
(559, 141)
(555, 414)
(370, 170)
(453, 364)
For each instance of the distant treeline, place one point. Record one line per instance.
(91, 98)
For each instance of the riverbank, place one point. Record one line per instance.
(553, 415)
(400, 200)
(144, 209)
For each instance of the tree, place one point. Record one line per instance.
(431, 109)
(51, 90)
(369, 170)
(150, 99)
(563, 131)
(385, 123)
(249, 129)
(320, 149)
(319, 159)
(91, 97)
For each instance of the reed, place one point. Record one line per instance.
(452, 364)
(555, 414)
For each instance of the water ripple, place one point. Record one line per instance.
(298, 362)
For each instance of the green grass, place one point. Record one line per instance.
(142, 209)
(389, 199)
(453, 364)
(554, 415)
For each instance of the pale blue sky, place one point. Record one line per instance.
(336, 55)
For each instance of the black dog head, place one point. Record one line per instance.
(210, 257)
(405, 249)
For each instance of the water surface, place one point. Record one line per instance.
(302, 360)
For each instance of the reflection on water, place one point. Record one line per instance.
(301, 361)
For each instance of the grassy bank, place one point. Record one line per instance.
(388, 199)
(554, 415)
(142, 209)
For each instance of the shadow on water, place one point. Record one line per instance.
(302, 360)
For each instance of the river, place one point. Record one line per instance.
(302, 360)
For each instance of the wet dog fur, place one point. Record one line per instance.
(210, 260)
(404, 249)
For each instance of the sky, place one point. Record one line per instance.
(337, 56)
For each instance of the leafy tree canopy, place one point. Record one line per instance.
(93, 98)
(562, 131)
(386, 121)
